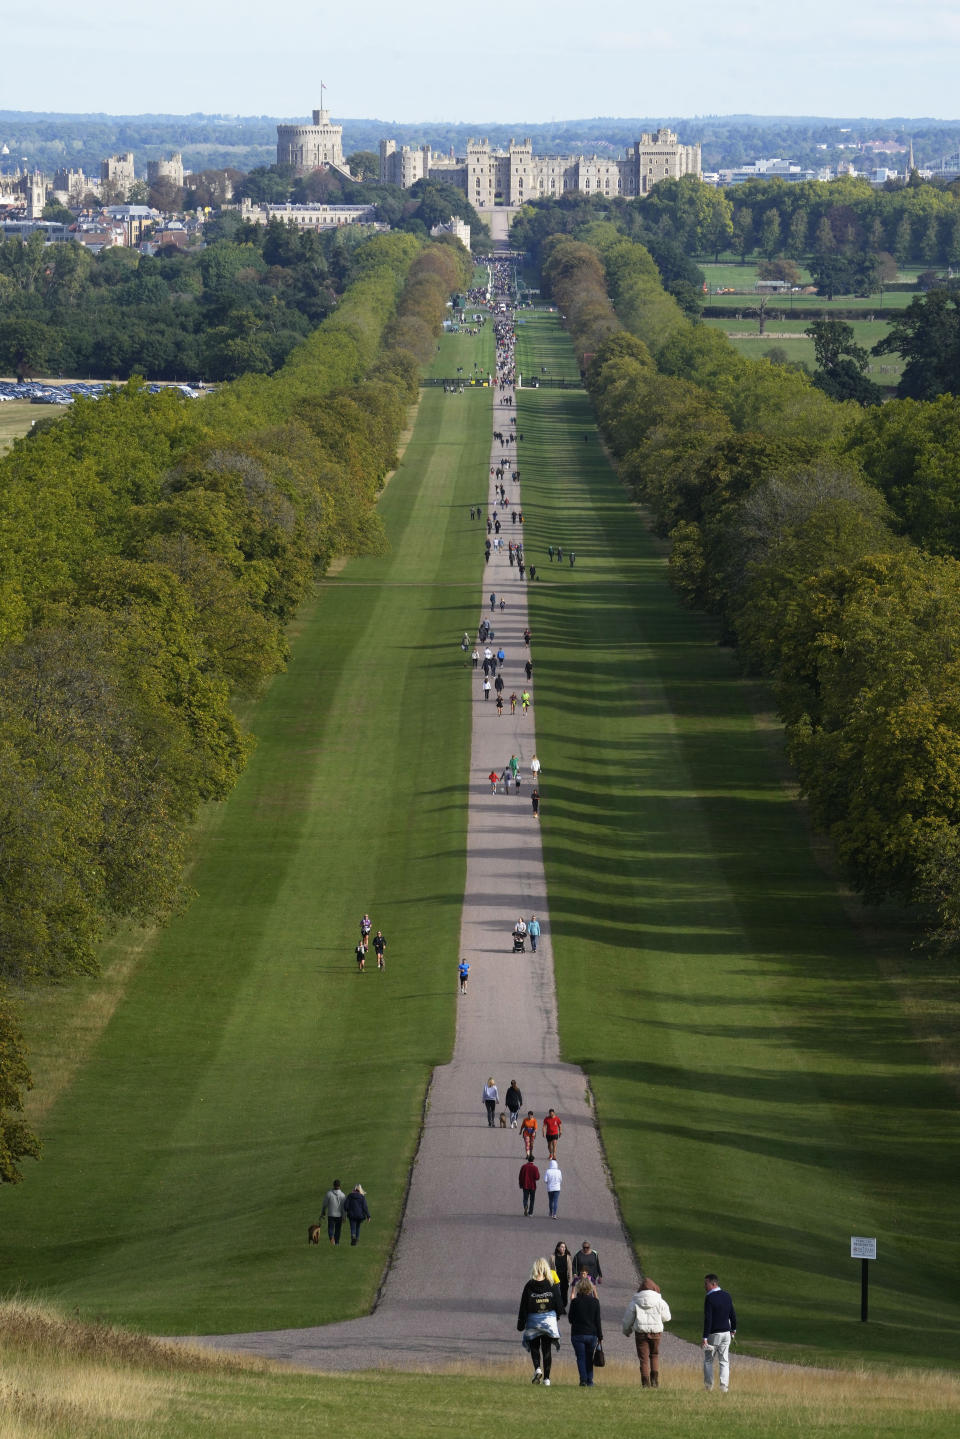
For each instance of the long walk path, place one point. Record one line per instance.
(465, 1248)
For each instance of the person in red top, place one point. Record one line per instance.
(552, 1130)
(528, 1129)
(529, 1174)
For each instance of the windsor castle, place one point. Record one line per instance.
(491, 177)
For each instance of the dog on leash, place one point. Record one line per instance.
(313, 1234)
(503, 1119)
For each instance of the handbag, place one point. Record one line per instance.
(599, 1358)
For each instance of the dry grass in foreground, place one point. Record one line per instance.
(64, 1378)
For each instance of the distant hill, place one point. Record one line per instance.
(46, 140)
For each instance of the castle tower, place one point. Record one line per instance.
(307, 147)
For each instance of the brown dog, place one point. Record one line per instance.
(503, 1119)
(313, 1234)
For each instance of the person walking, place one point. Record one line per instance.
(552, 1183)
(501, 655)
(573, 558)
(486, 689)
(535, 769)
(498, 684)
(586, 1263)
(476, 658)
(533, 927)
(514, 765)
(563, 1268)
(552, 1130)
(719, 1327)
(550, 552)
(528, 670)
(644, 1318)
(528, 1132)
(493, 777)
(493, 602)
(529, 1174)
(491, 1098)
(524, 700)
(513, 1099)
(516, 779)
(333, 1207)
(463, 970)
(355, 1208)
(380, 944)
(586, 1329)
(537, 1319)
(535, 802)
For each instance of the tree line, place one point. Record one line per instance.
(152, 551)
(240, 304)
(824, 537)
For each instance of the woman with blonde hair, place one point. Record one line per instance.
(537, 1319)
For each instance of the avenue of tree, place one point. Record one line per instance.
(824, 536)
(152, 552)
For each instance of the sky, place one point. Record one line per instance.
(520, 61)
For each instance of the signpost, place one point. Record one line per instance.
(864, 1250)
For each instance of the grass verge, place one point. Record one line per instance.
(244, 1062)
(760, 1086)
(69, 1381)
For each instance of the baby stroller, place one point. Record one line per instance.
(519, 942)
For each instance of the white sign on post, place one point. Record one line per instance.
(861, 1248)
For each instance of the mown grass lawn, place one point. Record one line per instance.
(18, 416)
(543, 351)
(246, 1062)
(761, 1093)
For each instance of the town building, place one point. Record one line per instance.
(116, 172)
(306, 217)
(170, 169)
(456, 227)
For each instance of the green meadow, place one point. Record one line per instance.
(761, 1091)
(237, 1062)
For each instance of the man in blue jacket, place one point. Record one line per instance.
(719, 1327)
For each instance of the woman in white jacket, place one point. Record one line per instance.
(644, 1318)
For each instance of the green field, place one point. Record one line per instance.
(245, 1062)
(543, 350)
(17, 417)
(761, 1091)
(883, 369)
(459, 351)
(744, 278)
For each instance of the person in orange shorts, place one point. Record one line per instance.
(528, 1129)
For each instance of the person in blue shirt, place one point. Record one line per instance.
(719, 1327)
(533, 929)
(463, 969)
